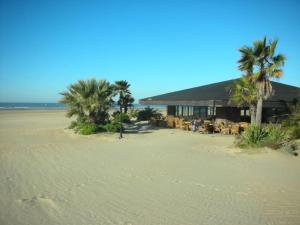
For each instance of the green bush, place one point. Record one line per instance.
(148, 114)
(120, 117)
(253, 136)
(133, 113)
(276, 135)
(272, 135)
(88, 128)
(292, 123)
(111, 127)
(294, 132)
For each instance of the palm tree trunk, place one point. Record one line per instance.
(253, 114)
(259, 110)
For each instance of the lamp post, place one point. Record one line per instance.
(121, 127)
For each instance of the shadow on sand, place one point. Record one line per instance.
(143, 127)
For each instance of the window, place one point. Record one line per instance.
(211, 111)
(245, 112)
(178, 110)
(242, 112)
(191, 110)
(196, 111)
(203, 112)
(184, 110)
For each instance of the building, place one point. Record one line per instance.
(212, 101)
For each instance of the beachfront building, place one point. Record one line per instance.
(212, 101)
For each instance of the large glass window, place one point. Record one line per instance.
(191, 110)
(178, 110)
(184, 110)
(211, 111)
(203, 111)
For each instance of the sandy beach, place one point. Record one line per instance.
(51, 176)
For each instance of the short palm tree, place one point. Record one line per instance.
(122, 89)
(89, 100)
(261, 64)
(125, 99)
(126, 102)
(244, 93)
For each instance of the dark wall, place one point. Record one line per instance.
(171, 110)
(234, 114)
(274, 115)
(229, 113)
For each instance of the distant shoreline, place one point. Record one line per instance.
(56, 106)
(32, 109)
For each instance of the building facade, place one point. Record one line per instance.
(212, 101)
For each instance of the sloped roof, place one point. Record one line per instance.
(218, 92)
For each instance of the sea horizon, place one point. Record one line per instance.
(53, 105)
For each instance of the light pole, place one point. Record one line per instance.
(121, 127)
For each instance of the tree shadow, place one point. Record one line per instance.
(140, 128)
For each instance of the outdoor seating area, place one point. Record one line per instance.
(222, 126)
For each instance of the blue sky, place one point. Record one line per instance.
(158, 46)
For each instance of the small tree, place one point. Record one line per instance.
(292, 123)
(125, 99)
(244, 93)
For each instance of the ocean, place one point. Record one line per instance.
(21, 105)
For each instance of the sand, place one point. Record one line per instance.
(50, 175)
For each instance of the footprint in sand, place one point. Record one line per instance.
(127, 223)
(198, 184)
(41, 200)
(80, 185)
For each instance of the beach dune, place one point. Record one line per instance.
(49, 175)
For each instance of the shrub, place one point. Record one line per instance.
(120, 117)
(133, 113)
(272, 135)
(276, 135)
(148, 114)
(292, 123)
(88, 128)
(111, 127)
(253, 136)
(294, 132)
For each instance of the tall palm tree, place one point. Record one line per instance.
(244, 93)
(88, 100)
(261, 64)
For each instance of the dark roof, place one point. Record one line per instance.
(202, 95)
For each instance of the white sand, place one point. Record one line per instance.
(51, 176)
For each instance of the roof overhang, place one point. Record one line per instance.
(216, 103)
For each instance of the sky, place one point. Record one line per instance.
(157, 46)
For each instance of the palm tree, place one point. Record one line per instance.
(261, 64)
(122, 88)
(125, 98)
(88, 100)
(127, 102)
(243, 93)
